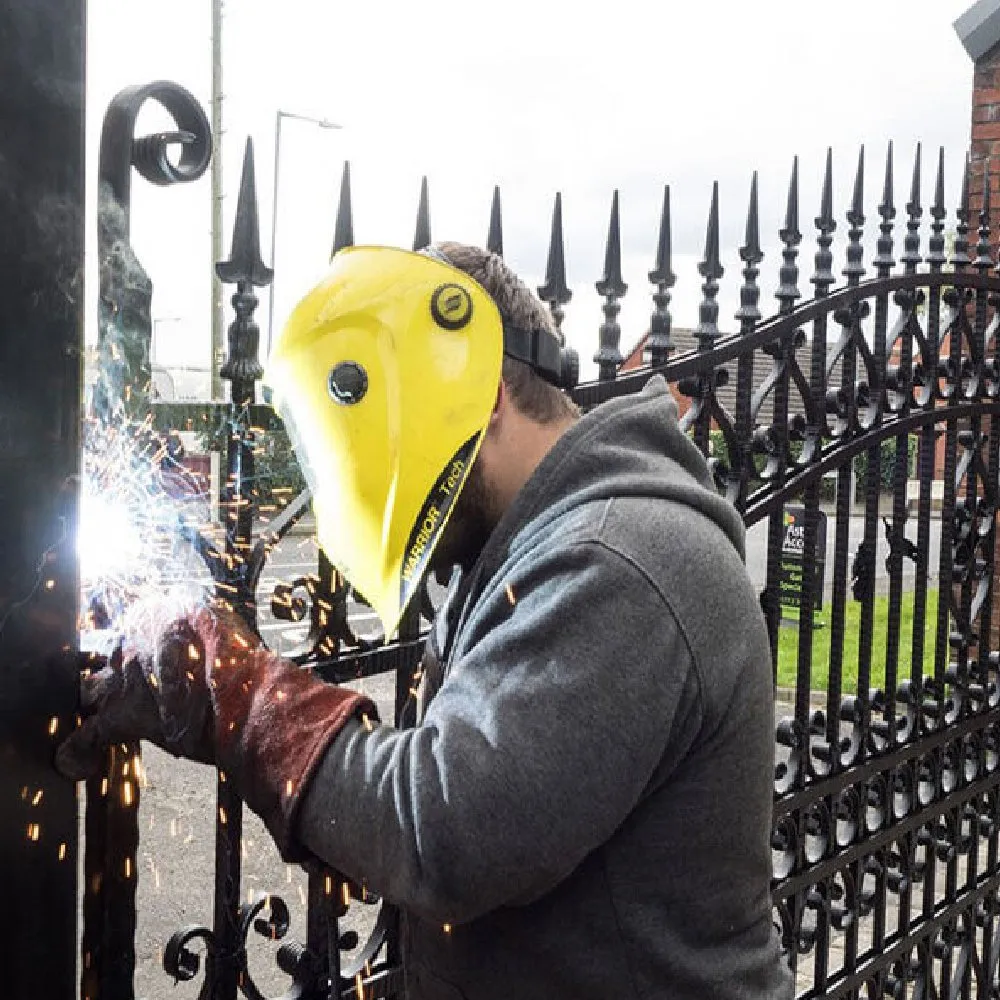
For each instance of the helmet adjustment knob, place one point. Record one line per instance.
(348, 383)
(451, 306)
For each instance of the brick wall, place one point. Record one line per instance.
(985, 147)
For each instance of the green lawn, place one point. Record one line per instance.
(788, 644)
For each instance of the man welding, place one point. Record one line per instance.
(582, 809)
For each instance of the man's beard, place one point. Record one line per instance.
(470, 525)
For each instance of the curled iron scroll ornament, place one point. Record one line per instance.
(121, 149)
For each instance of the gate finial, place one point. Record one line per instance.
(960, 257)
(343, 230)
(984, 252)
(750, 253)
(883, 246)
(854, 270)
(422, 235)
(936, 257)
(555, 292)
(245, 264)
(711, 270)
(911, 242)
(244, 269)
(826, 224)
(494, 240)
(612, 288)
(662, 275)
(788, 276)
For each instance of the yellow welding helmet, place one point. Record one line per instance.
(386, 375)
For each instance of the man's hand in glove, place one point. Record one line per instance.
(202, 686)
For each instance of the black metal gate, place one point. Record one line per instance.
(886, 839)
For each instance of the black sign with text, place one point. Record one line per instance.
(792, 545)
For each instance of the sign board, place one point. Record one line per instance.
(791, 569)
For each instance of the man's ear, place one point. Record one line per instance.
(500, 408)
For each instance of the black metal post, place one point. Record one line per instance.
(41, 260)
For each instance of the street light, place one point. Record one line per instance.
(322, 123)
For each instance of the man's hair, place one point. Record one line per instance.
(533, 395)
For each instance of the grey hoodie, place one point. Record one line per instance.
(586, 798)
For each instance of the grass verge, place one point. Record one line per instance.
(788, 644)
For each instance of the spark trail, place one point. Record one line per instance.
(133, 541)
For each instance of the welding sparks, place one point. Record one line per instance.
(132, 539)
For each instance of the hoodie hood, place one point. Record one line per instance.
(632, 446)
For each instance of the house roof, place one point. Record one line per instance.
(685, 341)
(978, 28)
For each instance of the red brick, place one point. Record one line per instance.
(989, 131)
(986, 113)
(986, 95)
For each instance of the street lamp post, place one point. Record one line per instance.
(322, 123)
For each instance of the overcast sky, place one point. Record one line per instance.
(536, 96)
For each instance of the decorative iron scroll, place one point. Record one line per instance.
(885, 841)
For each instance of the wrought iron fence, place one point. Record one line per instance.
(886, 841)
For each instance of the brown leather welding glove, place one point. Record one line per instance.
(204, 687)
(153, 693)
(273, 721)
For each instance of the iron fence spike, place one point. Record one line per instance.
(911, 242)
(936, 257)
(662, 275)
(494, 240)
(887, 208)
(555, 292)
(612, 288)
(825, 221)
(710, 263)
(826, 224)
(751, 248)
(790, 231)
(711, 270)
(913, 206)
(960, 250)
(662, 272)
(856, 215)
(984, 252)
(343, 230)
(937, 209)
(422, 234)
(788, 275)
(611, 283)
(750, 253)
(245, 263)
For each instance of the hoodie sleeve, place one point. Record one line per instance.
(573, 688)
